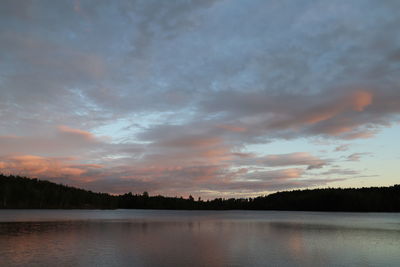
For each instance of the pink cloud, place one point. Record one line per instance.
(37, 166)
(76, 133)
(361, 99)
(360, 134)
(191, 141)
(232, 128)
(77, 6)
(339, 113)
(61, 141)
(357, 101)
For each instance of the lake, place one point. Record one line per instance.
(197, 238)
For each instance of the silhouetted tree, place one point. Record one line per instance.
(24, 193)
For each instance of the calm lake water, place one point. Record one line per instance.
(197, 238)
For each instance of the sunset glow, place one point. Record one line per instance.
(204, 98)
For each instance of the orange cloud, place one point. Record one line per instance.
(358, 135)
(61, 141)
(217, 154)
(357, 101)
(77, 6)
(321, 116)
(192, 141)
(361, 99)
(232, 128)
(37, 166)
(189, 150)
(332, 117)
(76, 132)
(292, 173)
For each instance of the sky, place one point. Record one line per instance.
(213, 98)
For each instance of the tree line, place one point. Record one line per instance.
(24, 193)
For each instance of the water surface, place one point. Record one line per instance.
(197, 238)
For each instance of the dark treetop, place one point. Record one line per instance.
(24, 193)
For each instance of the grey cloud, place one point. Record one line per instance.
(295, 159)
(343, 147)
(280, 160)
(356, 156)
(338, 171)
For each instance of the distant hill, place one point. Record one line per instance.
(25, 193)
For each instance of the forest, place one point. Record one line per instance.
(25, 193)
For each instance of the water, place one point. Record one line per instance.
(197, 238)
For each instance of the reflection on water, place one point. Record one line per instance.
(198, 238)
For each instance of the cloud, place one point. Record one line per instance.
(343, 147)
(76, 134)
(186, 91)
(298, 158)
(281, 174)
(191, 141)
(361, 99)
(281, 160)
(36, 166)
(341, 114)
(356, 156)
(232, 128)
(340, 172)
(62, 142)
